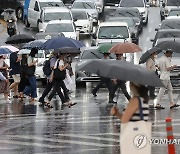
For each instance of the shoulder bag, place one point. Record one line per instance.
(58, 74)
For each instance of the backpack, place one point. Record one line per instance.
(46, 68)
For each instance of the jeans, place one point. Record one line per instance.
(31, 88)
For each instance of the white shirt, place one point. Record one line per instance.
(61, 62)
(164, 63)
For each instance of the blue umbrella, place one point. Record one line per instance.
(34, 44)
(61, 42)
(4, 51)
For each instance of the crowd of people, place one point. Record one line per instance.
(22, 69)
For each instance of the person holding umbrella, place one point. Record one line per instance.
(118, 84)
(151, 65)
(103, 80)
(165, 67)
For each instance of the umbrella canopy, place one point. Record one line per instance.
(173, 45)
(4, 51)
(10, 47)
(34, 44)
(19, 38)
(104, 48)
(121, 70)
(148, 53)
(67, 50)
(61, 42)
(125, 47)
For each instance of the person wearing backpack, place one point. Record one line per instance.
(47, 70)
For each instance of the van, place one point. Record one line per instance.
(32, 10)
(112, 32)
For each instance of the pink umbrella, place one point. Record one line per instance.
(10, 47)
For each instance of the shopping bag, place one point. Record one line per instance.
(135, 136)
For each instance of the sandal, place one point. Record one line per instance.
(158, 106)
(173, 106)
(48, 105)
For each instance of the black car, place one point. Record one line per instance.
(169, 24)
(166, 35)
(17, 5)
(132, 13)
(133, 27)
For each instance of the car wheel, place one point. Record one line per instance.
(26, 22)
(38, 26)
(19, 13)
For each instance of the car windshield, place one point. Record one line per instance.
(84, 5)
(132, 3)
(59, 28)
(173, 3)
(56, 16)
(113, 32)
(170, 25)
(130, 22)
(80, 15)
(51, 4)
(175, 34)
(126, 13)
(174, 13)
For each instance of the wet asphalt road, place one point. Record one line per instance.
(85, 128)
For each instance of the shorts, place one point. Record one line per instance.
(16, 77)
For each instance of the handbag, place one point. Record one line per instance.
(58, 74)
(30, 70)
(135, 136)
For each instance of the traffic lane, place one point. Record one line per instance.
(84, 128)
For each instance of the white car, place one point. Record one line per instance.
(141, 5)
(53, 13)
(83, 22)
(112, 32)
(87, 5)
(32, 12)
(174, 13)
(65, 27)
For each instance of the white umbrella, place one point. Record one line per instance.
(24, 51)
(10, 47)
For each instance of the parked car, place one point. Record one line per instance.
(112, 32)
(141, 5)
(166, 35)
(53, 13)
(132, 13)
(89, 6)
(17, 5)
(131, 24)
(83, 22)
(65, 27)
(32, 10)
(169, 24)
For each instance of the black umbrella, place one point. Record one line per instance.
(148, 53)
(121, 70)
(67, 50)
(19, 38)
(173, 45)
